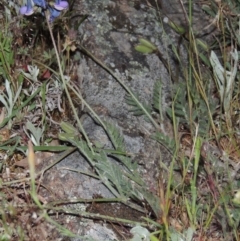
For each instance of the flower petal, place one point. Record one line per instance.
(54, 13)
(61, 5)
(40, 3)
(23, 10)
(26, 10)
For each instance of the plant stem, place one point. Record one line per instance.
(65, 86)
(84, 50)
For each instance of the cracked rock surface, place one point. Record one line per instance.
(110, 33)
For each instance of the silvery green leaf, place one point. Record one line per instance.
(4, 103)
(34, 141)
(9, 92)
(17, 93)
(217, 68)
(189, 234)
(225, 79)
(230, 80)
(186, 236)
(236, 199)
(9, 99)
(34, 71)
(140, 234)
(27, 75)
(176, 237)
(36, 133)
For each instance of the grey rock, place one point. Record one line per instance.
(110, 33)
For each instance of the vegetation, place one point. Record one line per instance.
(204, 114)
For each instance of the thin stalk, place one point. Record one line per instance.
(65, 87)
(97, 216)
(90, 109)
(121, 83)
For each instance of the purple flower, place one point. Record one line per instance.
(54, 8)
(54, 13)
(40, 3)
(60, 5)
(27, 10)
